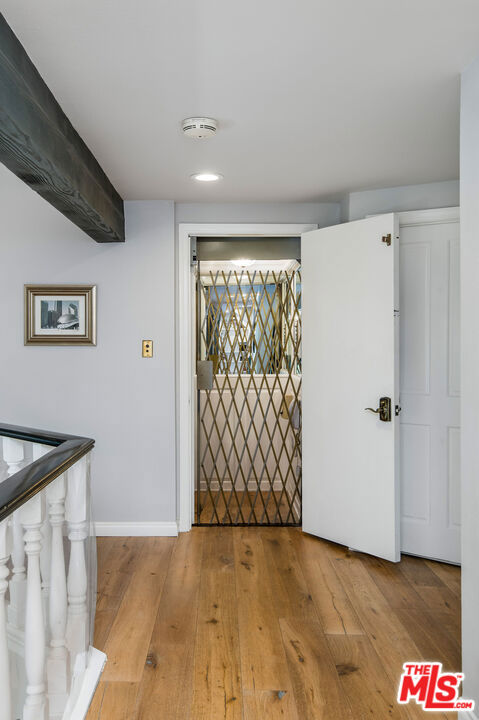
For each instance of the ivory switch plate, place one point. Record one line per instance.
(147, 348)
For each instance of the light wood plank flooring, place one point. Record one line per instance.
(259, 623)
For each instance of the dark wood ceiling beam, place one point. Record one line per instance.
(40, 145)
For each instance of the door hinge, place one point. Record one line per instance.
(386, 239)
(194, 253)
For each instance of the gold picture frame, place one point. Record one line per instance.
(60, 314)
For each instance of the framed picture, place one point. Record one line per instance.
(60, 314)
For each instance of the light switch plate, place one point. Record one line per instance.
(147, 348)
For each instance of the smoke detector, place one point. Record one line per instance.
(200, 127)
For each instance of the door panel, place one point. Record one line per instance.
(350, 360)
(430, 484)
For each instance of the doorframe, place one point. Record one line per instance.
(185, 360)
(435, 216)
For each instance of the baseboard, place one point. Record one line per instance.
(136, 529)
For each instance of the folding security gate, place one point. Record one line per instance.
(248, 444)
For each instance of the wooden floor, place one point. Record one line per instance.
(260, 623)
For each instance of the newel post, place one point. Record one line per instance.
(32, 517)
(5, 688)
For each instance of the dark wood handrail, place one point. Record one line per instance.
(66, 450)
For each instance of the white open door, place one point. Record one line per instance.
(350, 308)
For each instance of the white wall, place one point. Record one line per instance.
(107, 392)
(409, 197)
(470, 376)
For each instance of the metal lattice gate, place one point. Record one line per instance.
(249, 408)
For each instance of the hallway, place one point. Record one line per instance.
(261, 623)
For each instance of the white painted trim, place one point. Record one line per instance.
(84, 688)
(184, 362)
(185, 444)
(136, 529)
(435, 216)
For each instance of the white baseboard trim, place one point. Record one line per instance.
(136, 529)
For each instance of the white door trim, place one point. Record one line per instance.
(435, 216)
(185, 348)
(429, 217)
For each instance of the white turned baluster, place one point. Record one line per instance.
(5, 689)
(45, 555)
(76, 515)
(45, 563)
(18, 583)
(58, 663)
(13, 454)
(35, 708)
(45, 558)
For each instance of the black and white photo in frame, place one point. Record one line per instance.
(60, 314)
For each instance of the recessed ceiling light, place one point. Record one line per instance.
(243, 262)
(207, 176)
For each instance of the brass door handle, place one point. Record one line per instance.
(384, 409)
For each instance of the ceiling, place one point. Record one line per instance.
(314, 97)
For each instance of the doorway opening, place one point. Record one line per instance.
(248, 353)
